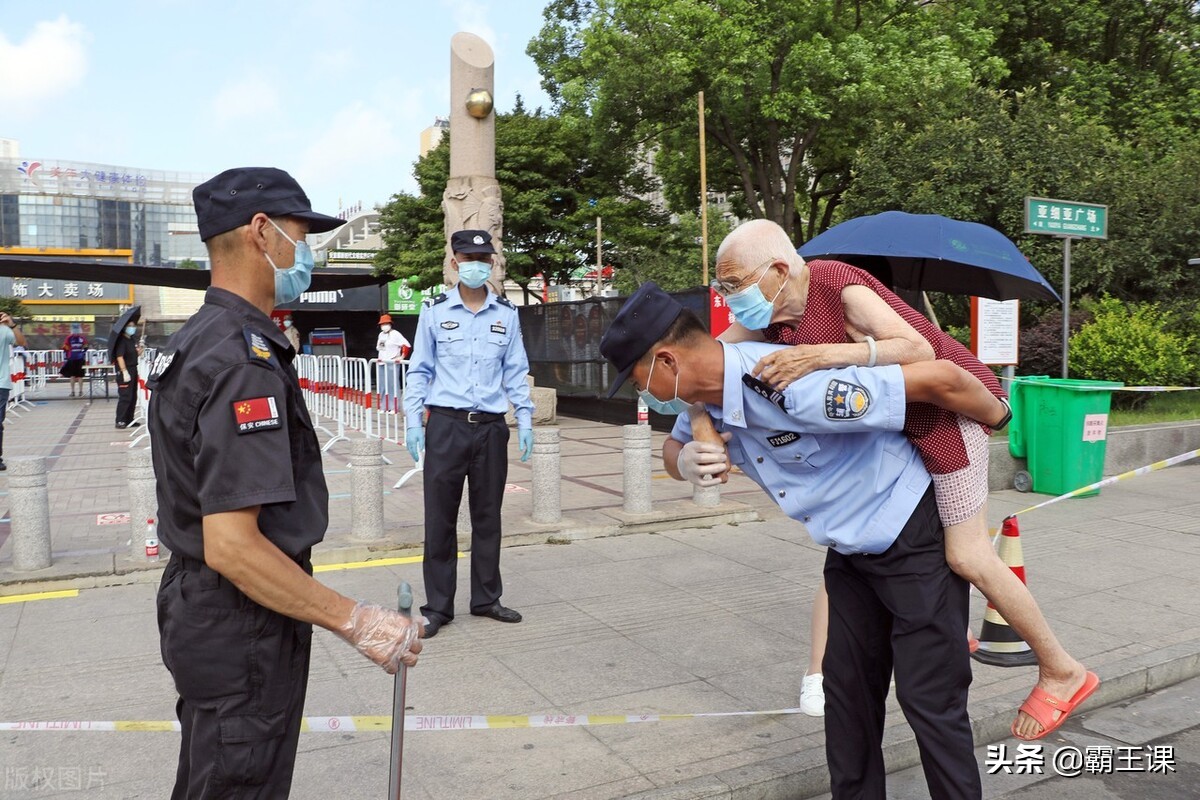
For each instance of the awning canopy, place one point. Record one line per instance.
(87, 269)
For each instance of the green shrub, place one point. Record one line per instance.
(1135, 344)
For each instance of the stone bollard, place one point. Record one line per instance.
(547, 476)
(143, 502)
(30, 513)
(706, 496)
(636, 444)
(366, 492)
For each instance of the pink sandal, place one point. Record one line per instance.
(1041, 706)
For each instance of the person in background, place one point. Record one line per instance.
(125, 357)
(468, 365)
(391, 348)
(74, 349)
(291, 334)
(10, 336)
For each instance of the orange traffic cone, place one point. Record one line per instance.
(999, 644)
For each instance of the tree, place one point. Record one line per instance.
(188, 263)
(556, 179)
(790, 87)
(14, 307)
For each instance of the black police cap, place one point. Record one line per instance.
(232, 198)
(471, 241)
(646, 316)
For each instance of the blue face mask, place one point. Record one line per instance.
(674, 406)
(751, 308)
(474, 273)
(294, 281)
(130, 330)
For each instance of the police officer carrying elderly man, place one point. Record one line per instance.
(468, 364)
(829, 449)
(242, 500)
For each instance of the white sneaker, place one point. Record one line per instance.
(812, 696)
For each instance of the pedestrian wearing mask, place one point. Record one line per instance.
(392, 348)
(125, 356)
(291, 334)
(469, 362)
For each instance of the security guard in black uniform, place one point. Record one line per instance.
(467, 364)
(242, 500)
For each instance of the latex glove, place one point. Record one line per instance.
(703, 463)
(525, 440)
(383, 635)
(125, 377)
(414, 440)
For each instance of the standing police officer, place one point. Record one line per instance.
(468, 363)
(242, 500)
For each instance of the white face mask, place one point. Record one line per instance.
(385, 328)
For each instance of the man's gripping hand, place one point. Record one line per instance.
(383, 635)
(704, 463)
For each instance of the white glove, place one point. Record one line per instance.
(125, 377)
(702, 463)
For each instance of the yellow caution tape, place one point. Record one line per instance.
(412, 722)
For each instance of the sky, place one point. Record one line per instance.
(336, 93)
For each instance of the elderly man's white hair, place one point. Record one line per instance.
(752, 244)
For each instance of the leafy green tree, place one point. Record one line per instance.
(188, 263)
(14, 307)
(790, 87)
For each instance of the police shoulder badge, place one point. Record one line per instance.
(449, 325)
(845, 400)
(256, 414)
(260, 350)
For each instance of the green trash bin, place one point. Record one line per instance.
(1063, 430)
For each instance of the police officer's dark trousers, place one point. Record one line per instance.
(241, 671)
(127, 398)
(903, 608)
(455, 448)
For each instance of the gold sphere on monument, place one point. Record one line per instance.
(479, 103)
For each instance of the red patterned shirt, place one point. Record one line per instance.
(932, 429)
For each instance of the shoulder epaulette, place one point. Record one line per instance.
(433, 301)
(259, 350)
(504, 301)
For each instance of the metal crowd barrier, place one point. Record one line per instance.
(353, 394)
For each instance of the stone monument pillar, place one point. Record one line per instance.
(472, 196)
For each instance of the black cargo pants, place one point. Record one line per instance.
(241, 672)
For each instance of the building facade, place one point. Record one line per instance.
(69, 207)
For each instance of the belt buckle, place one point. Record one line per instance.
(471, 417)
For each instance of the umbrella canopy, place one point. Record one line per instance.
(132, 315)
(933, 253)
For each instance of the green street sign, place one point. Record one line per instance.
(403, 299)
(1066, 218)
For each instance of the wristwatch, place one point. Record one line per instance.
(999, 426)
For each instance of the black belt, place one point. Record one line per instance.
(474, 417)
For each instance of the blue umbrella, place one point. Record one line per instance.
(933, 253)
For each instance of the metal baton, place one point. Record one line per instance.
(397, 761)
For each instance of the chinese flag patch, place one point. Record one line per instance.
(256, 414)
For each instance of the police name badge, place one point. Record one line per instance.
(845, 401)
(498, 327)
(256, 414)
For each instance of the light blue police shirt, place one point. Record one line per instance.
(473, 361)
(827, 449)
(8, 340)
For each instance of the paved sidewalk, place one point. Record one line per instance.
(673, 616)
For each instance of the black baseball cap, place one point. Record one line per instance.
(471, 241)
(232, 198)
(646, 316)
